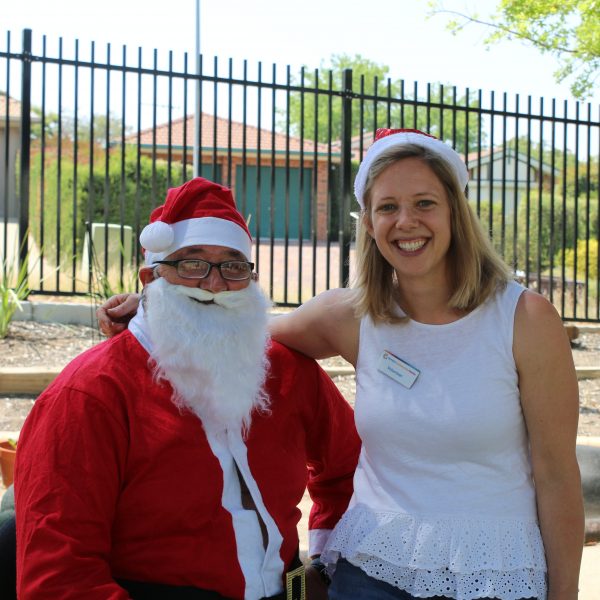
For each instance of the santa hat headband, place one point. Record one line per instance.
(386, 139)
(198, 212)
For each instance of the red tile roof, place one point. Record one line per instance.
(14, 111)
(14, 107)
(224, 128)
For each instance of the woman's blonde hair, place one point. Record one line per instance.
(476, 270)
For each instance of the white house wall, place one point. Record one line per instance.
(9, 176)
(496, 186)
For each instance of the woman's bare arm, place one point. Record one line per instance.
(324, 326)
(550, 401)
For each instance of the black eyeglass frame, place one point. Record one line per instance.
(176, 263)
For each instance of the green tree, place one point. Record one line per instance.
(132, 203)
(587, 259)
(569, 30)
(60, 208)
(86, 130)
(52, 208)
(539, 230)
(304, 105)
(316, 113)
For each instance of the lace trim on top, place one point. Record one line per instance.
(458, 557)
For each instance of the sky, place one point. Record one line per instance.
(396, 33)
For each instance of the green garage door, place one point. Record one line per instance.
(297, 212)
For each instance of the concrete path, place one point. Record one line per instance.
(589, 579)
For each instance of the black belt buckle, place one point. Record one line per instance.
(295, 584)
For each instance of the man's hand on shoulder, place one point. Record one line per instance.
(114, 314)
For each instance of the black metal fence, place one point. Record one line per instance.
(92, 139)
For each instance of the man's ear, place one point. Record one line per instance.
(254, 277)
(146, 275)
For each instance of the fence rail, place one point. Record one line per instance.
(91, 140)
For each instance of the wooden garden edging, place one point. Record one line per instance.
(33, 380)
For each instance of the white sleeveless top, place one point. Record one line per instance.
(444, 502)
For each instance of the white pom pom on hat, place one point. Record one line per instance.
(157, 236)
(386, 139)
(199, 212)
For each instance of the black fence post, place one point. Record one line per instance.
(345, 232)
(25, 149)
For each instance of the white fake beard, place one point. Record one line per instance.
(213, 355)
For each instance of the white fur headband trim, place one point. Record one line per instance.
(193, 232)
(401, 139)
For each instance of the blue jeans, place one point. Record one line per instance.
(349, 581)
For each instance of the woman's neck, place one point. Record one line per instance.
(427, 302)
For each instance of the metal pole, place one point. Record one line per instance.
(25, 149)
(345, 232)
(197, 114)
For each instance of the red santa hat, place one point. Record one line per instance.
(197, 212)
(395, 138)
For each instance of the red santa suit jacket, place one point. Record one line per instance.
(113, 481)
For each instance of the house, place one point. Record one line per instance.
(507, 174)
(254, 163)
(10, 144)
(10, 127)
(355, 145)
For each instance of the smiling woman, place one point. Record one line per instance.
(409, 219)
(430, 184)
(451, 452)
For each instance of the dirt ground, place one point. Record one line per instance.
(53, 345)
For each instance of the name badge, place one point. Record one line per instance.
(399, 370)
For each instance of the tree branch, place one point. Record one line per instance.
(505, 30)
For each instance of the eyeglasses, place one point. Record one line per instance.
(233, 270)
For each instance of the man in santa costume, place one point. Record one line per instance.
(168, 461)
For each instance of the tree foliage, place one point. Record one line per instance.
(327, 107)
(127, 197)
(567, 29)
(315, 112)
(124, 191)
(587, 259)
(533, 238)
(99, 129)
